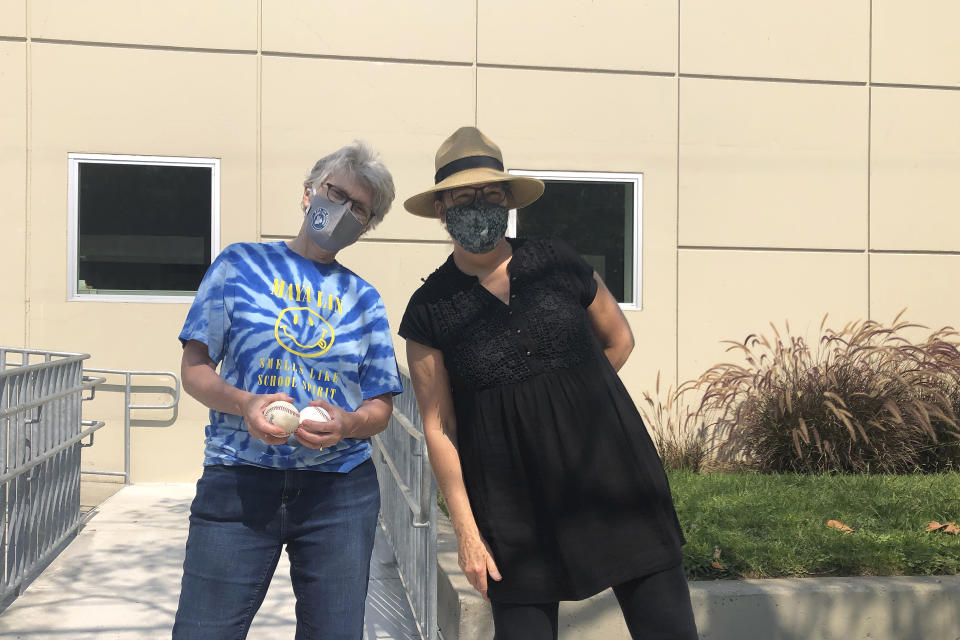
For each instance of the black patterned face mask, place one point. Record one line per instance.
(477, 227)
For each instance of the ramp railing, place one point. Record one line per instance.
(41, 434)
(128, 388)
(409, 505)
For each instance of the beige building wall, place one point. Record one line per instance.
(797, 159)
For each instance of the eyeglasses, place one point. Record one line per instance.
(336, 195)
(491, 194)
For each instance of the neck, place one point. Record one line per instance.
(481, 263)
(302, 245)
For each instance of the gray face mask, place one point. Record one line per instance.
(477, 227)
(332, 226)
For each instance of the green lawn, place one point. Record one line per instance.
(768, 526)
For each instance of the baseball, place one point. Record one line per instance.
(283, 414)
(314, 413)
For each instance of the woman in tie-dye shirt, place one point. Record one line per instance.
(286, 321)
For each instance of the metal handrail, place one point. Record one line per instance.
(420, 512)
(10, 475)
(128, 407)
(41, 434)
(409, 505)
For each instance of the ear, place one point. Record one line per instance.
(441, 211)
(305, 201)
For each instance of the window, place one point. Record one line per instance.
(142, 228)
(599, 215)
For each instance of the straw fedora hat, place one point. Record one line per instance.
(469, 157)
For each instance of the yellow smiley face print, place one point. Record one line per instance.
(303, 331)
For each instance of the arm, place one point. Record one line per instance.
(610, 326)
(431, 385)
(201, 380)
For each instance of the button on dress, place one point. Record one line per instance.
(562, 476)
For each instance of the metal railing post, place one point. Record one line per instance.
(126, 428)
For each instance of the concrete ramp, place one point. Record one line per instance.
(120, 579)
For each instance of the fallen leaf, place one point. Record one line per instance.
(946, 527)
(716, 557)
(836, 524)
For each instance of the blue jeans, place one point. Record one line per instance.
(240, 520)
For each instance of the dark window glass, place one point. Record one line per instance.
(596, 219)
(142, 228)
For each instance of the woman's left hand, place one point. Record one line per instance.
(321, 435)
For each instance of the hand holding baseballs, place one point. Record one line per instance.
(323, 425)
(259, 426)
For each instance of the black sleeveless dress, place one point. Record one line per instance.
(563, 478)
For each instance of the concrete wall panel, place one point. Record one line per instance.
(772, 164)
(13, 18)
(915, 169)
(816, 40)
(727, 295)
(917, 283)
(214, 24)
(303, 121)
(13, 180)
(605, 34)
(916, 42)
(422, 30)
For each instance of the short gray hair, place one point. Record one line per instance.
(364, 164)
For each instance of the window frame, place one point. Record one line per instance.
(73, 221)
(601, 176)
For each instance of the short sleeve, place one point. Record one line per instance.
(208, 320)
(378, 364)
(415, 324)
(581, 271)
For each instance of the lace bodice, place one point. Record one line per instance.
(487, 343)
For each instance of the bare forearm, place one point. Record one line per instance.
(203, 383)
(371, 417)
(431, 385)
(445, 460)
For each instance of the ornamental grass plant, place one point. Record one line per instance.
(679, 434)
(861, 399)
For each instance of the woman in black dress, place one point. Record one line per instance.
(554, 487)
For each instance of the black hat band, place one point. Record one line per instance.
(470, 162)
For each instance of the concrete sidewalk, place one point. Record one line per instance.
(120, 579)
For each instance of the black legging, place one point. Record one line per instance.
(655, 607)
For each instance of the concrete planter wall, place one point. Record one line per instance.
(889, 608)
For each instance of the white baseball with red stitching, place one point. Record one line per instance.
(282, 414)
(316, 414)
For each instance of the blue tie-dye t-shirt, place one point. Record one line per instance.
(277, 322)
